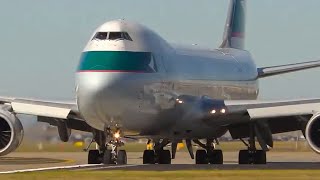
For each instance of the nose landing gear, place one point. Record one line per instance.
(107, 152)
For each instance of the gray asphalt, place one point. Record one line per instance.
(177, 167)
(276, 160)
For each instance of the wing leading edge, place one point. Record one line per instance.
(44, 108)
(52, 112)
(257, 109)
(282, 69)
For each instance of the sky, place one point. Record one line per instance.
(41, 40)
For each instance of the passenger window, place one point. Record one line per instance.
(101, 36)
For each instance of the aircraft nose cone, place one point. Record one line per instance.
(102, 95)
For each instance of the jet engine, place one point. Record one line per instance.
(11, 132)
(312, 133)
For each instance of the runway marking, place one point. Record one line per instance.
(23, 160)
(50, 168)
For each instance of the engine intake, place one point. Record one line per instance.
(313, 133)
(11, 132)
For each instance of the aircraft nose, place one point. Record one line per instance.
(102, 95)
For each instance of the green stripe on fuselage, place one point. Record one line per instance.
(125, 61)
(238, 25)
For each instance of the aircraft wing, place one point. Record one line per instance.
(51, 112)
(40, 107)
(253, 109)
(269, 109)
(276, 70)
(241, 112)
(269, 117)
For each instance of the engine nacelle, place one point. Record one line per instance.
(313, 133)
(11, 132)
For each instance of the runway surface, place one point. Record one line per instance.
(25, 162)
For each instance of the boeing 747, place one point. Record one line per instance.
(131, 83)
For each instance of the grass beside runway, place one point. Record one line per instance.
(279, 146)
(193, 174)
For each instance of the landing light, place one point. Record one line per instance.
(179, 101)
(223, 110)
(116, 135)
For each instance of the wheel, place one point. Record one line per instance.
(260, 157)
(201, 157)
(215, 156)
(164, 157)
(122, 157)
(107, 157)
(243, 157)
(93, 157)
(148, 157)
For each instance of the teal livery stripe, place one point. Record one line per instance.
(238, 26)
(117, 61)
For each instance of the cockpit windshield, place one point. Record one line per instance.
(112, 36)
(115, 35)
(101, 35)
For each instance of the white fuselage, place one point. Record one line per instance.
(133, 83)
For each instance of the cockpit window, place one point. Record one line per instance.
(119, 35)
(112, 36)
(115, 35)
(101, 35)
(126, 36)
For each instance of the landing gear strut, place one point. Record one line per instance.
(252, 155)
(158, 155)
(107, 153)
(208, 154)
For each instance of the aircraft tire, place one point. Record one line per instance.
(260, 157)
(201, 157)
(122, 157)
(244, 157)
(148, 157)
(107, 157)
(164, 157)
(93, 157)
(215, 156)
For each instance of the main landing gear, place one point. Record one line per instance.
(158, 154)
(108, 152)
(109, 141)
(252, 155)
(208, 155)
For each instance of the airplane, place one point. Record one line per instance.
(131, 83)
